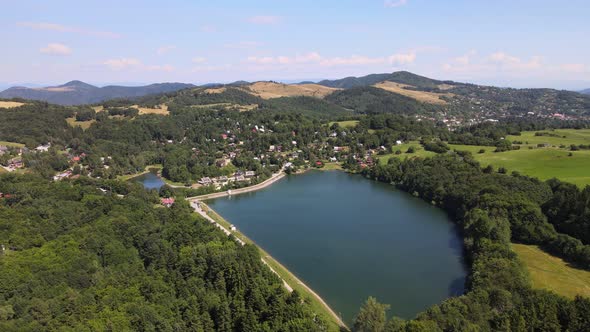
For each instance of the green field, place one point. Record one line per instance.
(82, 124)
(572, 136)
(12, 144)
(552, 273)
(345, 124)
(544, 163)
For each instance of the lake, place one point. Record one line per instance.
(149, 180)
(349, 238)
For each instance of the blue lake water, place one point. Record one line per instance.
(349, 238)
(150, 180)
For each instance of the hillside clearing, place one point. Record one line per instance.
(228, 106)
(12, 144)
(423, 96)
(10, 104)
(542, 163)
(269, 90)
(345, 124)
(161, 110)
(552, 273)
(82, 124)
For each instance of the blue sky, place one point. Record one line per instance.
(509, 43)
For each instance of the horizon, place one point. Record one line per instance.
(200, 42)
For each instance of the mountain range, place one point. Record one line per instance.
(77, 92)
(587, 91)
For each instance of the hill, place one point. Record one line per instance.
(402, 77)
(77, 92)
(268, 90)
(586, 91)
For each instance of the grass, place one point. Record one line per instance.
(146, 170)
(423, 96)
(162, 110)
(345, 124)
(82, 124)
(283, 272)
(552, 273)
(542, 163)
(331, 166)
(10, 104)
(269, 90)
(564, 136)
(12, 144)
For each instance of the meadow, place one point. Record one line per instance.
(345, 124)
(544, 163)
(552, 273)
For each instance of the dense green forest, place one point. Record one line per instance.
(79, 259)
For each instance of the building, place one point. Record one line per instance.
(205, 181)
(232, 228)
(43, 148)
(249, 174)
(167, 202)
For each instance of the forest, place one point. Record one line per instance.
(81, 259)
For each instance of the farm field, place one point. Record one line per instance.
(552, 273)
(423, 96)
(544, 163)
(572, 136)
(82, 124)
(345, 124)
(12, 144)
(10, 104)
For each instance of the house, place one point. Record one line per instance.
(62, 176)
(43, 148)
(288, 165)
(167, 202)
(333, 159)
(205, 181)
(249, 174)
(338, 149)
(240, 178)
(232, 228)
(271, 148)
(222, 162)
(295, 155)
(294, 142)
(319, 163)
(224, 136)
(3, 149)
(398, 142)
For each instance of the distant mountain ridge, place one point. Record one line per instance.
(78, 92)
(586, 92)
(403, 77)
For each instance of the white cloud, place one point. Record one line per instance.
(317, 59)
(56, 49)
(165, 49)
(199, 59)
(166, 68)
(394, 3)
(122, 63)
(243, 44)
(208, 28)
(264, 19)
(64, 28)
(402, 58)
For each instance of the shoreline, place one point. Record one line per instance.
(274, 178)
(197, 204)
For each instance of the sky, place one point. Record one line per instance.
(521, 43)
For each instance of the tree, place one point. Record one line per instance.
(371, 317)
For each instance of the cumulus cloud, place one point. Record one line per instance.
(316, 58)
(56, 49)
(243, 44)
(394, 3)
(122, 63)
(165, 49)
(199, 59)
(64, 28)
(264, 19)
